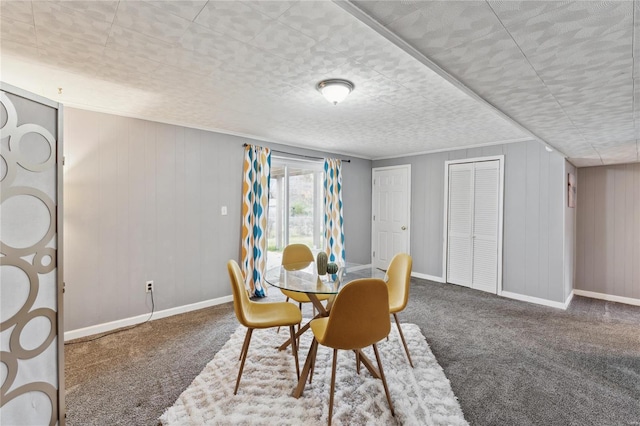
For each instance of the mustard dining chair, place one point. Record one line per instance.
(398, 283)
(254, 315)
(359, 317)
(299, 253)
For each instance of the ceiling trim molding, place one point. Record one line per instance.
(29, 95)
(208, 129)
(480, 145)
(366, 19)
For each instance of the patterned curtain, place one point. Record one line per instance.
(333, 230)
(255, 203)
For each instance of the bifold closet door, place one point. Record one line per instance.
(460, 222)
(472, 238)
(485, 226)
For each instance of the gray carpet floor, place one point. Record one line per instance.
(509, 362)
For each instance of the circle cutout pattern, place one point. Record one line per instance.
(28, 317)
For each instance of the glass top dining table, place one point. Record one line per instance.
(303, 277)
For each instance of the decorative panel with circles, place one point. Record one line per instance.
(28, 262)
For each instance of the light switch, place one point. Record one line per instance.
(223, 210)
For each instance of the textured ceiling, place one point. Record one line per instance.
(429, 75)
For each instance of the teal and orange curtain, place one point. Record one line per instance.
(255, 204)
(333, 220)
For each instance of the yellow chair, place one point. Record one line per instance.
(260, 315)
(399, 274)
(359, 317)
(299, 253)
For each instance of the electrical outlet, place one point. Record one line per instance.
(149, 286)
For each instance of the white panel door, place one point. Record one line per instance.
(460, 224)
(391, 213)
(472, 224)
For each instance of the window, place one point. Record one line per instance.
(295, 206)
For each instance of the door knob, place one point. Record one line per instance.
(404, 228)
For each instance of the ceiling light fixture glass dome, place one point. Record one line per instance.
(335, 90)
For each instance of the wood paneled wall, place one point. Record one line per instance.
(143, 202)
(534, 199)
(608, 230)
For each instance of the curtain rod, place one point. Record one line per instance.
(299, 155)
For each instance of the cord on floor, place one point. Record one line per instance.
(153, 306)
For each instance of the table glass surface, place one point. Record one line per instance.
(303, 277)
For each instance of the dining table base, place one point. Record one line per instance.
(322, 312)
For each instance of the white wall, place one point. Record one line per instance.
(608, 230)
(143, 202)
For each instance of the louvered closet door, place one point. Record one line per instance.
(485, 226)
(460, 224)
(472, 237)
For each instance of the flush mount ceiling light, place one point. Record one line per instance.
(335, 90)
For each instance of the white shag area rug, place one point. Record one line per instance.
(420, 395)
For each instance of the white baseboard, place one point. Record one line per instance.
(125, 322)
(537, 300)
(607, 297)
(569, 299)
(354, 268)
(427, 277)
(413, 274)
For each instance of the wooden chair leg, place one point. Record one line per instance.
(245, 344)
(384, 381)
(294, 348)
(243, 357)
(358, 362)
(299, 306)
(406, 348)
(333, 383)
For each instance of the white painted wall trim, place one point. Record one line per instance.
(413, 274)
(29, 95)
(472, 146)
(569, 299)
(607, 297)
(428, 277)
(125, 322)
(537, 300)
(355, 268)
(180, 123)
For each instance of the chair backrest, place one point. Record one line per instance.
(359, 316)
(399, 273)
(241, 300)
(297, 253)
